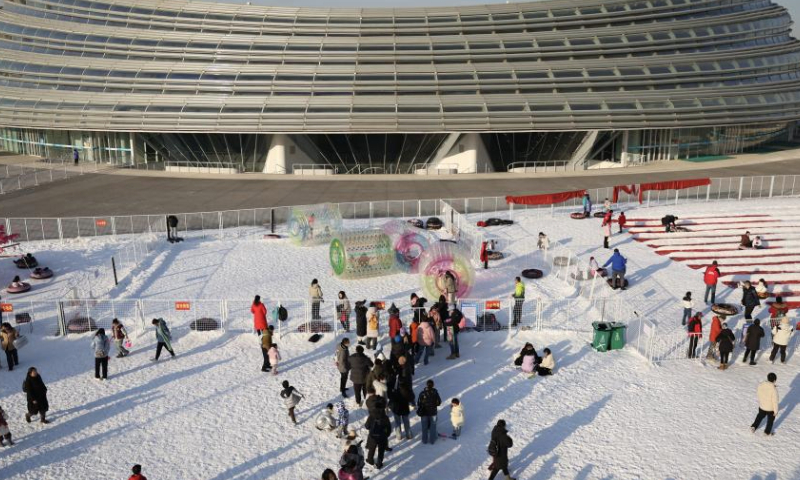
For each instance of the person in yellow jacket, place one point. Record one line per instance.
(767, 404)
(519, 299)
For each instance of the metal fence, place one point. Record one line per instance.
(15, 177)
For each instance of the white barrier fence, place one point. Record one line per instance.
(15, 177)
(257, 221)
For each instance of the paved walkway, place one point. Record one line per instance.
(125, 192)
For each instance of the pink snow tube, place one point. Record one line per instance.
(409, 248)
(20, 287)
(440, 259)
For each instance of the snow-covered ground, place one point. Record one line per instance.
(211, 413)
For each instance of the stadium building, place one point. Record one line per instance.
(467, 89)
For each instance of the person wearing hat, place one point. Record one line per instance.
(695, 332)
(725, 342)
(767, 404)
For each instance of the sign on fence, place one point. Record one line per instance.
(6, 307)
(100, 222)
(470, 312)
(493, 305)
(183, 306)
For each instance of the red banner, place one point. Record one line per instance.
(546, 198)
(492, 305)
(100, 222)
(184, 306)
(6, 307)
(673, 185)
(623, 188)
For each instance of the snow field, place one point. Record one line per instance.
(211, 413)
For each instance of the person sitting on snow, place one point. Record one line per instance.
(762, 290)
(546, 365)
(325, 420)
(745, 242)
(778, 309)
(17, 282)
(758, 243)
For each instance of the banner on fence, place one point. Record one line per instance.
(183, 306)
(673, 185)
(6, 307)
(546, 198)
(470, 312)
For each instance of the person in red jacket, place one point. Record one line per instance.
(395, 324)
(716, 328)
(622, 221)
(137, 473)
(695, 332)
(485, 254)
(710, 279)
(259, 311)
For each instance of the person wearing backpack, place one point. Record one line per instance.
(780, 339)
(315, 292)
(101, 345)
(163, 338)
(752, 341)
(379, 427)
(425, 340)
(119, 334)
(291, 397)
(343, 364)
(498, 449)
(427, 409)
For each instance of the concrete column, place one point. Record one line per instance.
(468, 155)
(276, 156)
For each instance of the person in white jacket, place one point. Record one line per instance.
(456, 417)
(688, 304)
(767, 404)
(325, 420)
(781, 334)
(546, 366)
(373, 328)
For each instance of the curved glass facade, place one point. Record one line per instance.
(151, 77)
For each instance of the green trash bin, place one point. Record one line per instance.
(602, 336)
(617, 341)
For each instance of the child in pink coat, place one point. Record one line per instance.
(274, 358)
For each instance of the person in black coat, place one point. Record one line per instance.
(749, 300)
(36, 392)
(527, 350)
(361, 321)
(379, 427)
(399, 405)
(725, 342)
(502, 442)
(752, 341)
(404, 381)
(360, 366)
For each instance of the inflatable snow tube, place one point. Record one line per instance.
(724, 309)
(81, 325)
(494, 222)
(40, 273)
(434, 223)
(577, 215)
(532, 273)
(24, 263)
(494, 255)
(315, 326)
(481, 223)
(314, 224)
(204, 324)
(441, 258)
(416, 222)
(599, 214)
(408, 249)
(563, 261)
(624, 283)
(362, 254)
(763, 296)
(21, 287)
